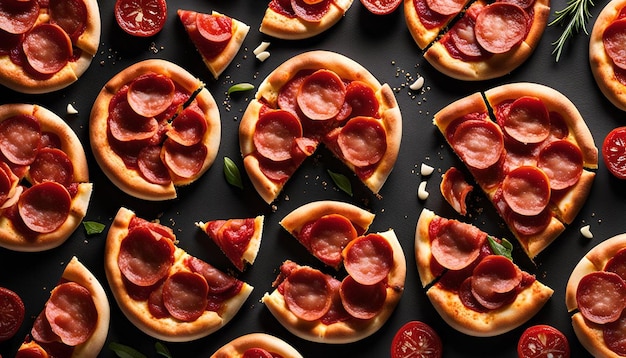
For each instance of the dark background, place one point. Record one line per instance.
(383, 45)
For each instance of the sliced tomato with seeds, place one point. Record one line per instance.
(11, 313)
(416, 339)
(141, 18)
(381, 7)
(614, 152)
(543, 341)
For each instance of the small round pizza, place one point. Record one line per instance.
(319, 97)
(154, 128)
(44, 181)
(595, 295)
(46, 45)
(239, 239)
(532, 136)
(488, 41)
(301, 19)
(257, 345)
(474, 288)
(217, 37)
(75, 319)
(606, 55)
(148, 274)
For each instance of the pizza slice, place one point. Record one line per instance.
(533, 159)
(427, 19)
(256, 345)
(75, 319)
(147, 273)
(217, 37)
(239, 239)
(473, 287)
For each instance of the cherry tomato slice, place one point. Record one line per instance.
(614, 152)
(381, 7)
(142, 18)
(416, 339)
(542, 341)
(11, 313)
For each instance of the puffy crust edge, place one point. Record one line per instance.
(236, 347)
(296, 219)
(421, 35)
(591, 337)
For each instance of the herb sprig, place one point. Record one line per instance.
(574, 16)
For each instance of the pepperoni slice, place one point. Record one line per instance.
(275, 133)
(456, 244)
(72, 313)
(185, 295)
(41, 330)
(150, 95)
(526, 190)
(11, 313)
(601, 296)
(214, 28)
(381, 7)
(617, 264)
(48, 48)
(184, 161)
(496, 273)
(530, 225)
(329, 235)
(145, 257)
(126, 125)
(188, 128)
(542, 341)
(614, 40)
(416, 339)
(321, 95)
(19, 139)
(368, 259)
(455, 189)
(464, 38)
(289, 91)
(524, 4)
(152, 167)
(52, 164)
(614, 152)
(362, 141)
(307, 293)
(141, 18)
(562, 161)
(527, 121)
(44, 207)
(257, 353)
(18, 16)
(500, 26)
(218, 281)
(310, 12)
(446, 7)
(70, 15)
(614, 335)
(362, 301)
(361, 99)
(478, 143)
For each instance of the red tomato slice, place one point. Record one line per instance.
(141, 18)
(416, 339)
(542, 341)
(381, 7)
(11, 313)
(614, 152)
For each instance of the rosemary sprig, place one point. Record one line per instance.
(576, 14)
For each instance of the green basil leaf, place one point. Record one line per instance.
(504, 247)
(93, 227)
(123, 351)
(341, 181)
(161, 349)
(231, 171)
(240, 87)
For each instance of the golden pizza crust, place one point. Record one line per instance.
(473, 103)
(295, 220)
(422, 35)
(423, 254)
(129, 180)
(294, 28)
(351, 330)
(167, 329)
(237, 347)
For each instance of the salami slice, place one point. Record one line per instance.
(361, 99)
(464, 38)
(185, 295)
(70, 15)
(455, 189)
(126, 125)
(44, 207)
(328, 236)
(72, 313)
(362, 301)
(601, 296)
(307, 293)
(368, 259)
(145, 256)
(526, 190)
(496, 273)
(188, 128)
(151, 94)
(47, 48)
(362, 141)
(562, 162)
(41, 330)
(214, 28)
(617, 264)
(18, 16)
(310, 12)
(321, 95)
(478, 143)
(218, 281)
(527, 121)
(500, 26)
(152, 167)
(275, 133)
(456, 245)
(288, 93)
(19, 139)
(52, 164)
(446, 7)
(614, 40)
(183, 161)
(614, 335)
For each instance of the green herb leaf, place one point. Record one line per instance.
(576, 14)
(504, 247)
(240, 87)
(123, 351)
(341, 181)
(161, 349)
(231, 171)
(93, 227)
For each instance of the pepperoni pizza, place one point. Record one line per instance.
(44, 181)
(153, 128)
(217, 37)
(319, 97)
(257, 345)
(606, 57)
(46, 45)
(301, 19)
(473, 288)
(596, 296)
(75, 319)
(148, 274)
(487, 40)
(532, 158)
(239, 239)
